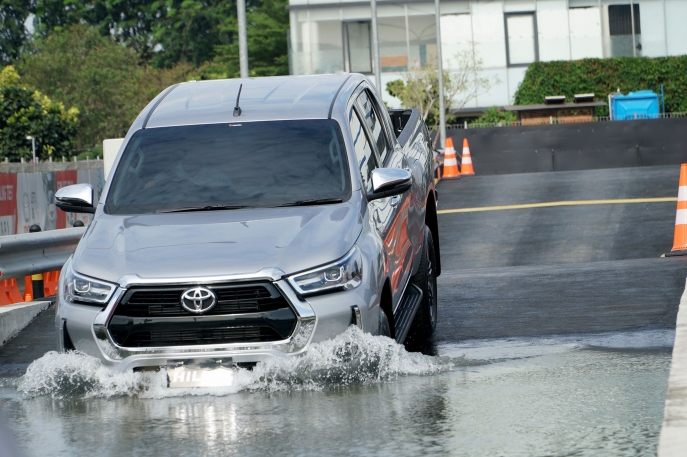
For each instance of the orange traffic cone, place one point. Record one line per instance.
(450, 162)
(466, 162)
(680, 239)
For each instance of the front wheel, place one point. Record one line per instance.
(425, 322)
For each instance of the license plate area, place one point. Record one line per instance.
(200, 372)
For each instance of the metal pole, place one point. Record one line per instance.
(376, 67)
(632, 19)
(33, 146)
(243, 42)
(440, 67)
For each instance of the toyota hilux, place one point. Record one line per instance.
(246, 219)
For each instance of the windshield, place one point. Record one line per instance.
(255, 164)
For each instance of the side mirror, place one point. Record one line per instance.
(77, 198)
(387, 182)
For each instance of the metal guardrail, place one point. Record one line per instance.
(32, 253)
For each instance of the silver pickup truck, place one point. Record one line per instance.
(245, 219)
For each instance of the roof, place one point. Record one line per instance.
(543, 107)
(272, 98)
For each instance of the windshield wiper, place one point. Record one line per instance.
(313, 201)
(202, 208)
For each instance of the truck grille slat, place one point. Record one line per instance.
(201, 337)
(230, 300)
(152, 316)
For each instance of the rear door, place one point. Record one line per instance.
(390, 214)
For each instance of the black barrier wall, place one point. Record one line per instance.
(584, 146)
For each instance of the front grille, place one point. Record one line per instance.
(152, 316)
(231, 299)
(198, 337)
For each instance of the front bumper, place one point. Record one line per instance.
(318, 318)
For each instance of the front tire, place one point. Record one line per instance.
(425, 322)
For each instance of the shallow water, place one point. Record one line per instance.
(598, 395)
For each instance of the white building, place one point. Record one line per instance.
(330, 36)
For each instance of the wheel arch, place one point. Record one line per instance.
(387, 305)
(432, 222)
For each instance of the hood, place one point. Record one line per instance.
(217, 242)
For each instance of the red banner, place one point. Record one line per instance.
(64, 179)
(8, 205)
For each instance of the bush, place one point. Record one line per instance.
(28, 112)
(603, 76)
(494, 115)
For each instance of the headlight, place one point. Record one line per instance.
(344, 274)
(84, 290)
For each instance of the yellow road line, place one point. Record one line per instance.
(563, 203)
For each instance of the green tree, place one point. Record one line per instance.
(192, 30)
(266, 29)
(420, 87)
(129, 22)
(13, 34)
(168, 32)
(78, 66)
(28, 112)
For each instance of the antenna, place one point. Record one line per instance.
(237, 108)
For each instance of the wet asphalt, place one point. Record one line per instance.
(531, 272)
(560, 270)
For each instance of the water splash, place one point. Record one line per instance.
(352, 358)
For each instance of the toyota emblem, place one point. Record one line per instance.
(198, 300)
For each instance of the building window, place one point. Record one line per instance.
(521, 38)
(623, 41)
(357, 48)
(620, 19)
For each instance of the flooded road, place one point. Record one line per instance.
(595, 395)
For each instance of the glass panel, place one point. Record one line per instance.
(363, 150)
(373, 123)
(359, 52)
(204, 165)
(329, 55)
(620, 29)
(423, 44)
(620, 19)
(393, 52)
(520, 39)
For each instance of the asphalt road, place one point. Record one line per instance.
(536, 271)
(558, 270)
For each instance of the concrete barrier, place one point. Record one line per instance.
(13, 318)
(673, 441)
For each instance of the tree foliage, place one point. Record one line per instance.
(420, 87)
(167, 32)
(494, 115)
(28, 112)
(79, 66)
(603, 76)
(13, 34)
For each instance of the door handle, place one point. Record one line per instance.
(394, 200)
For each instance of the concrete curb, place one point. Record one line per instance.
(13, 318)
(673, 442)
